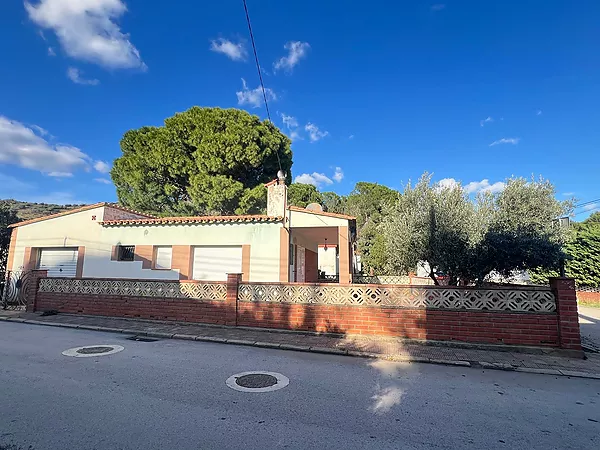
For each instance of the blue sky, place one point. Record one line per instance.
(380, 91)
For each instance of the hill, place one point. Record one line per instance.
(28, 210)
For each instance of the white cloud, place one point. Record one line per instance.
(75, 75)
(87, 30)
(568, 194)
(19, 145)
(40, 131)
(60, 174)
(591, 206)
(314, 133)
(235, 52)
(513, 141)
(316, 179)
(296, 51)
(103, 180)
(488, 119)
(338, 174)
(438, 7)
(351, 137)
(289, 121)
(51, 52)
(484, 186)
(446, 183)
(291, 124)
(102, 167)
(253, 97)
(538, 112)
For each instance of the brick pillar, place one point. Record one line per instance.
(29, 288)
(344, 256)
(233, 284)
(566, 308)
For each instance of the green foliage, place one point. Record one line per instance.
(202, 161)
(466, 241)
(7, 217)
(333, 202)
(582, 256)
(594, 218)
(367, 202)
(28, 210)
(301, 195)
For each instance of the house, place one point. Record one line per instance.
(107, 241)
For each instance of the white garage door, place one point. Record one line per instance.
(213, 263)
(59, 262)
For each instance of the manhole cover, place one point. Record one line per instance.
(93, 350)
(258, 381)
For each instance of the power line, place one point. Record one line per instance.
(262, 85)
(587, 203)
(588, 211)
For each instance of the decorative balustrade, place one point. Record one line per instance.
(157, 289)
(504, 300)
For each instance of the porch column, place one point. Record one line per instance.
(344, 255)
(284, 255)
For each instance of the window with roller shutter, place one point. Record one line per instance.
(163, 257)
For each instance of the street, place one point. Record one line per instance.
(172, 394)
(589, 324)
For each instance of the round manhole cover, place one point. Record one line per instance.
(93, 350)
(258, 381)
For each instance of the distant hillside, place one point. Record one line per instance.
(27, 210)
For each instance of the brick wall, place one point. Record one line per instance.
(554, 328)
(465, 326)
(179, 309)
(588, 297)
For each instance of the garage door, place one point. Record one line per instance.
(213, 263)
(59, 262)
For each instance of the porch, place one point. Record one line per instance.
(320, 254)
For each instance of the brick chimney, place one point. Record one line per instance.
(277, 196)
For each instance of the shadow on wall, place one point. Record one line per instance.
(339, 320)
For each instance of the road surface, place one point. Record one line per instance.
(589, 324)
(172, 395)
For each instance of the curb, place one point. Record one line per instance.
(321, 350)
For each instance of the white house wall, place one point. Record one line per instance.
(307, 219)
(78, 229)
(263, 239)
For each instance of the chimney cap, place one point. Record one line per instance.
(281, 175)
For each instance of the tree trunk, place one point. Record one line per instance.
(433, 277)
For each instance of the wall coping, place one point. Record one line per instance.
(406, 286)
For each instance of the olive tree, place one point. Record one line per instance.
(464, 239)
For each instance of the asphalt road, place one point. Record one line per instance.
(172, 395)
(589, 324)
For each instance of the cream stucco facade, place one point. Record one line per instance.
(271, 248)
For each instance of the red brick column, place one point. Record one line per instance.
(566, 308)
(30, 288)
(231, 304)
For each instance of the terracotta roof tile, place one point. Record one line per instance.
(188, 220)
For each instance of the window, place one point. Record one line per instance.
(163, 257)
(126, 253)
